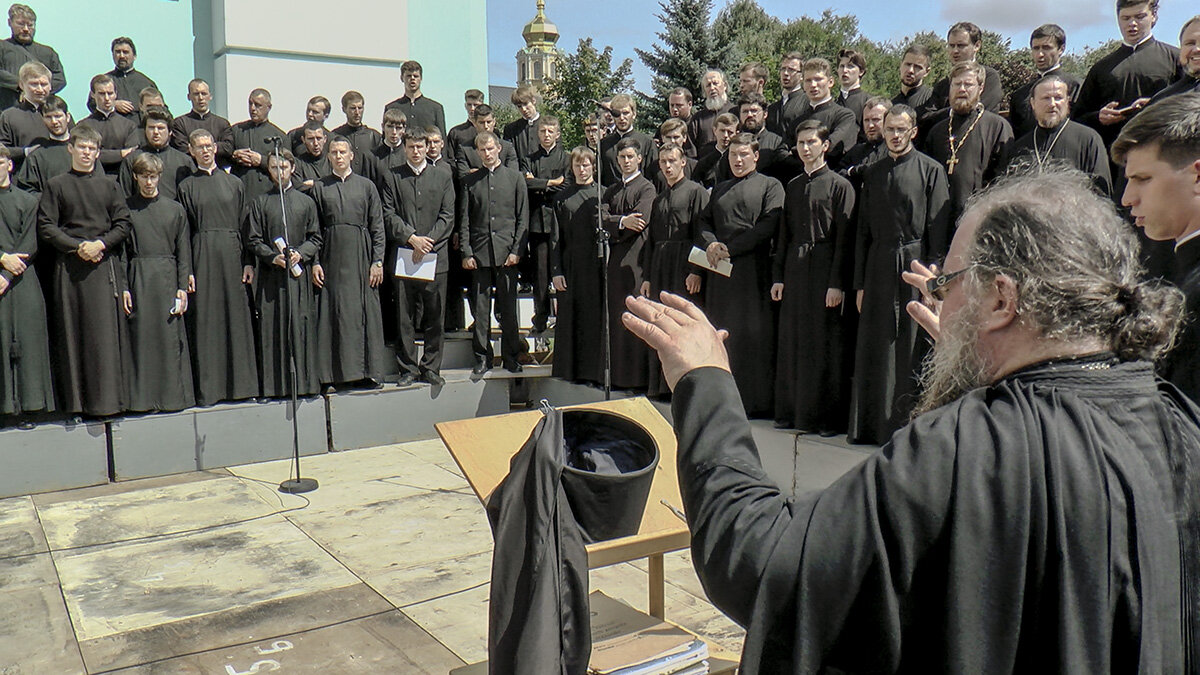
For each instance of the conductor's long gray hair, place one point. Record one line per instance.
(1075, 264)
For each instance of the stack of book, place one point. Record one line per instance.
(628, 642)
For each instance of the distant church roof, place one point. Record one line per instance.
(540, 31)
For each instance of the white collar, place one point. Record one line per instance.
(823, 101)
(418, 168)
(342, 178)
(1186, 238)
(633, 175)
(1138, 43)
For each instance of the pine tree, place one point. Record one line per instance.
(687, 49)
(586, 74)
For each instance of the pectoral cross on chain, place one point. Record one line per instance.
(950, 164)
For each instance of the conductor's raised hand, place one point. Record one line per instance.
(924, 311)
(679, 332)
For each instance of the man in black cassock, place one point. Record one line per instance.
(421, 110)
(201, 116)
(679, 107)
(576, 268)
(435, 146)
(872, 148)
(219, 323)
(738, 225)
(83, 215)
(903, 215)
(159, 258)
(972, 144)
(670, 235)
(1038, 515)
(545, 170)
(523, 132)
(389, 154)
(50, 158)
(1046, 44)
(1189, 60)
(118, 133)
(673, 131)
(1056, 138)
(350, 347)
(1160, 152)
(1121, 83)
(851, 66)
(914, 68)
(21, 124)
(316, 110)
(472, 98)
(626, 207)
(418, 204)
(782, 114)
(714, 102)
(842, 124)
(20, 49)
(129, 81)
(493, 222)
(963, 42)
(156, 132)
(250, 146)
(286, 306)
(774, 158)
(466, 157)
(624, 112)
(312, 163)
(813, 269)
(712, 167)
(26, 383)
(363, 139)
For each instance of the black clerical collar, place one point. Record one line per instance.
(77, 172)
(209, 171)
(413, 99)
(342, 178)
(492, 169)
(845, 93)
(625, 133)
(820, 169)
(547, 152)
(200, 115)
(1134, 47)
(905, 157)
(434, 160)
(827, 99)
(1193, 236)
(1094, 361)
(1043, 73)
(156, 150)
(418, 168)
(106, 115)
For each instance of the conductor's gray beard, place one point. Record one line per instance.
(954, 366)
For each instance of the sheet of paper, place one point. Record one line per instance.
(405, 267)
(698, 258)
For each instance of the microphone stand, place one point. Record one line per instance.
(602, 252)
(295, 485)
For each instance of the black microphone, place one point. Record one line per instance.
(272, 139)
(599, 104)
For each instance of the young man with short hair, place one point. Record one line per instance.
(118, 133)
(1046, 45)
(201, 116)
(176, 166)
(421, 110)
(21, 49)
(363, 139)
(128, 80)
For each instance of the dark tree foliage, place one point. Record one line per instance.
(688, 48)
(586, 74)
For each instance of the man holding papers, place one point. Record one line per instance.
(418, 205)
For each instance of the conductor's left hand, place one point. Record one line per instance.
(679, 332)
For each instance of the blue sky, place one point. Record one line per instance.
(626, 24)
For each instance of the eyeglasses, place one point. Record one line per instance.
(936, 287)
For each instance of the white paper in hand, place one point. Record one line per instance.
(405, 267)
(700, 259)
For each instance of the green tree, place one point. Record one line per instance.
(586, 74)
(686, 51)
(750, 35)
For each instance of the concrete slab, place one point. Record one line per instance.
(363, 419)
(216, 436)
(124, 599)
(156, 511)
(458, 621)
(35, 631)
(387, 643)
(20, 531)
(52, 456)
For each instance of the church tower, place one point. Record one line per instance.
(537, 63)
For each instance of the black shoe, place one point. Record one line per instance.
(481, 367)
(433, 378)
(827, 433)
(513, 367)
(783, 424)
(406, 380)
(372, 383)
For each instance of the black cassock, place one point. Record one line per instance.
(1125, 75)
(1020, 112)
(670, 235)
(991, 97)
(544, 166)
(744, 214)
(609, 172)
(903, 215)
(91, 338)
(218, 317)
(349, 320)
(282, 297)
(176, 167)
(843, 129)
(218, 126)
(250, 136)
(117, 132)
(982, 152)
(159, 259)
(423, 112)
(630, 357)
(1182, 364)
(50, 159)
(26, 384)
(363, 139)
(523, 134)
(20, 126)
(1077, 145)
(1022, 528)
(578, 344)
(815, 253)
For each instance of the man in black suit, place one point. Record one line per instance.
(493, 220)
(418, 207)
(545, 169)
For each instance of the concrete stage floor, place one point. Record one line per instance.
(384, 569)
